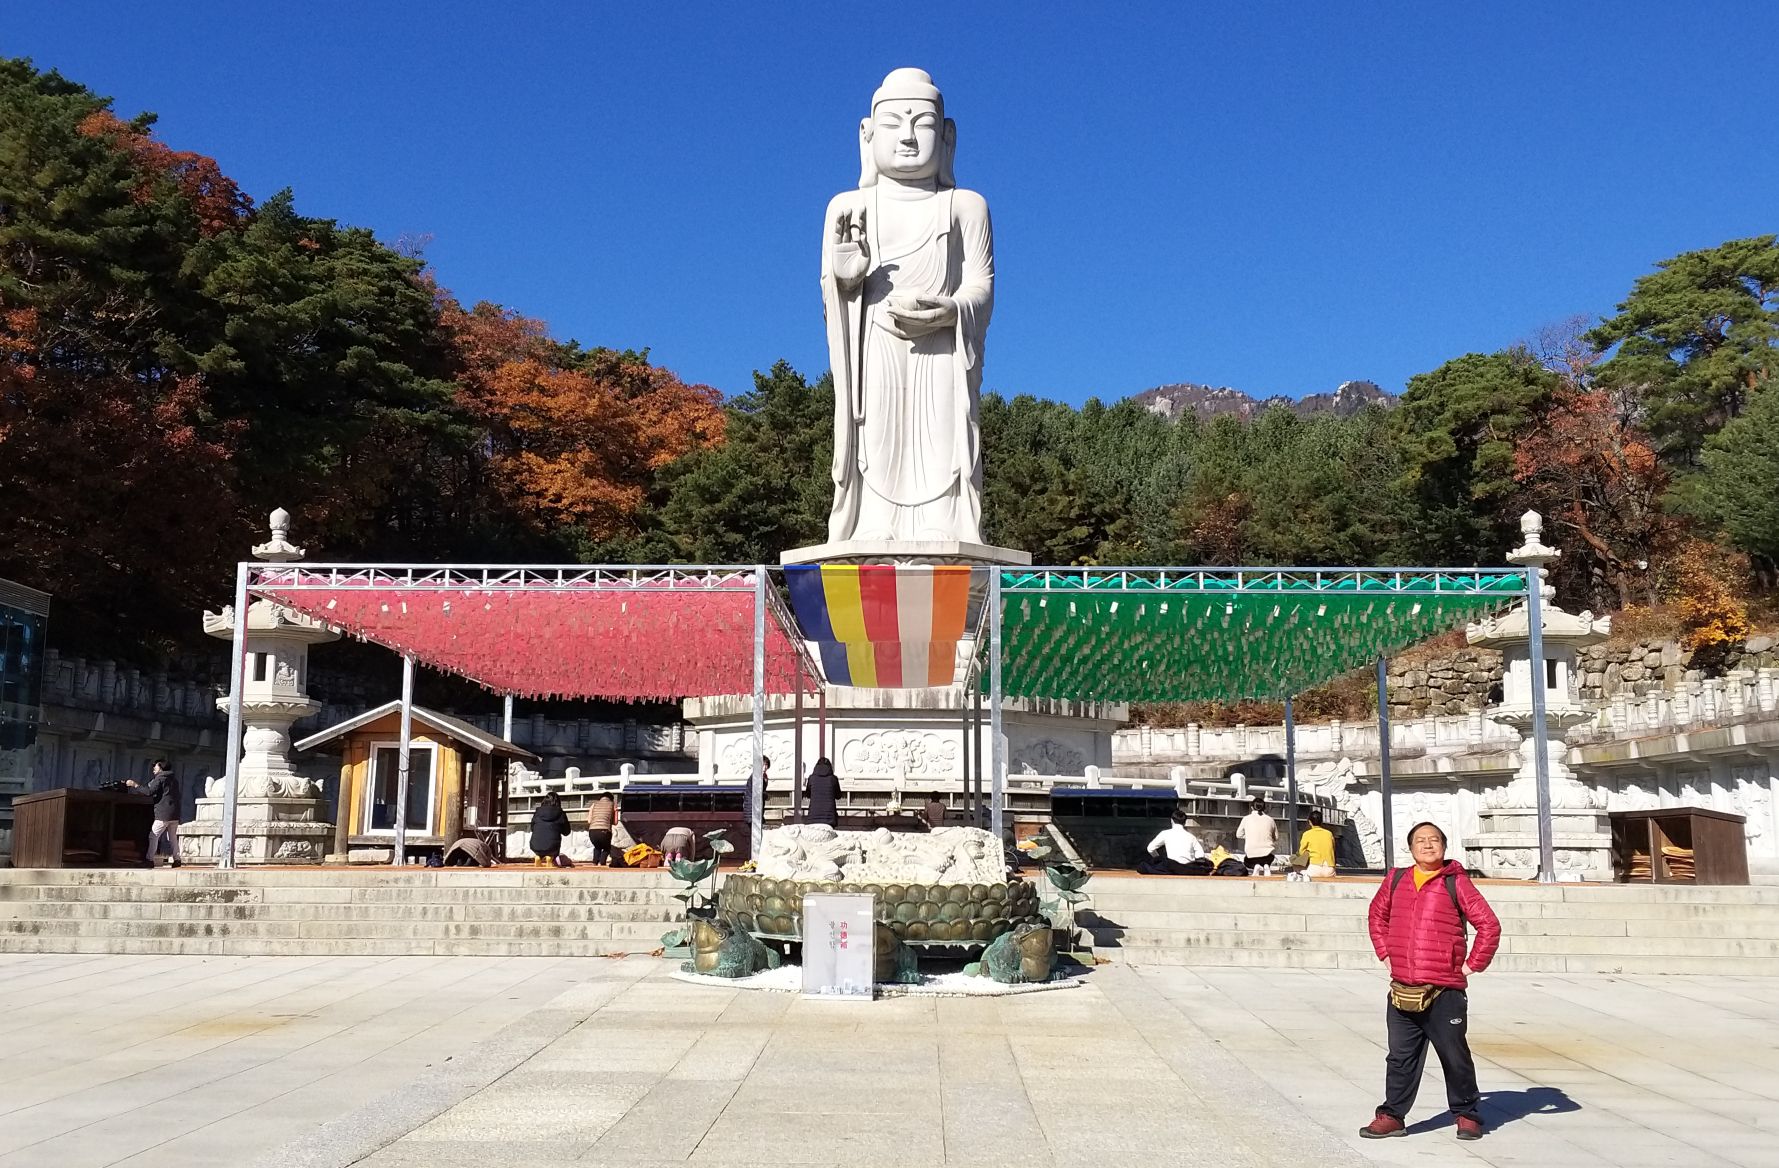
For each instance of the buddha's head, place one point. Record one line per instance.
(907, 137)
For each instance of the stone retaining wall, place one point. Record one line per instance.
(1470, 679)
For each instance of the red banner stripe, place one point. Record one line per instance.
(889, 664)
(582, 643)
(877, 599)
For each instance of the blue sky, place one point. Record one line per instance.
(1277, 197)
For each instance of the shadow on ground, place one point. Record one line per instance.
(1499, 1107)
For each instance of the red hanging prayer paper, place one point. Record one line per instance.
(568, 642)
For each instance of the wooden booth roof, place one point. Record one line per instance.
(453, 728)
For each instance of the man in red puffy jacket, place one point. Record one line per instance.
(1417, 925)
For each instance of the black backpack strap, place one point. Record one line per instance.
(1451, 890)
(1396, 878)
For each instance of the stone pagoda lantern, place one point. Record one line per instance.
(280, 815)
(1581, 836)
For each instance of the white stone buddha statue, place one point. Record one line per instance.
(907, 287)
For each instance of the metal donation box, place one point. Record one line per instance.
(838, 931)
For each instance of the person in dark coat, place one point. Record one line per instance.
(821, 795)
(163, 788)
(549, 824)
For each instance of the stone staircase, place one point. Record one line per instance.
(584, 912)
(1563, 928)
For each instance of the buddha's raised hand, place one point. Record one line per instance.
(851, 254)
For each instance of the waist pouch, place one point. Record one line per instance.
(1413, 999)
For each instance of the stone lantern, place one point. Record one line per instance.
(1581, 836)
(280, 815)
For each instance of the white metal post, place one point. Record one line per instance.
(506, 717)
(1290, 778)
(797, 752)
(1383, 746)
(231, 783)
(963, 758)
(401, 771)
(757, 782)
(976, 817)
(1547, 869)
(997, 746)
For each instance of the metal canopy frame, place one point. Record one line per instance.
(1490, 586)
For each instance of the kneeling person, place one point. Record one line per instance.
(1173, 851)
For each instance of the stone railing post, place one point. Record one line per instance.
(1738, 683)
(1763, 689)
(1193, 740)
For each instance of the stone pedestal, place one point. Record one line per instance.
(904, 741)
(268, 830)
(906, 551)
(1508, 844)
(1581, 835)
(280, 816)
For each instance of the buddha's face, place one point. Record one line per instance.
(905, 139)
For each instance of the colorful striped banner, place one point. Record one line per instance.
(883, 626)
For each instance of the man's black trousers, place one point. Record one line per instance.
(1444, 1024)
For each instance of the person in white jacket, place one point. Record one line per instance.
(1259, 833)
(1173, 849)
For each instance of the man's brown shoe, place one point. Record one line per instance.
(1381, 1126)
(1469, 1129)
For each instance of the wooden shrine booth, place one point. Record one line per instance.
(457, 781)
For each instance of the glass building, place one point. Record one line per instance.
(24, 621)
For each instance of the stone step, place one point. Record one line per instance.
(1569, 944)
(287, 911)
(386, 947)
(1497, 892)
(337, 930)
(335, 894)
(1505, 963)
(328, 876)
(1703, 926)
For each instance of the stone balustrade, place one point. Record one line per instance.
(77, 683)
(1742, 695)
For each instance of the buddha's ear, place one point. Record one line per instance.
(948, 155)
(867, 164)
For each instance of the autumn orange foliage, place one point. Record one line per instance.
(1706, 586)
(573, 435)
(213, 195)
(111, 482)
(1595, 472)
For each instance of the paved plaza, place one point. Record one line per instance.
(437, 1062)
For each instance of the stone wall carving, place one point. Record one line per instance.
(1047, 757)
(816, 852)
(1334, 781)
(898, 752)
(737, 761)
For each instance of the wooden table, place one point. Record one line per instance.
(1719, 853)
(75, 828)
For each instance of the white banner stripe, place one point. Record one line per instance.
(914, 607)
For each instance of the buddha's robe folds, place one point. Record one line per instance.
(907, 451)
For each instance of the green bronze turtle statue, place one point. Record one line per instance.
(720, 949)
(1027, 954)
(895, 964)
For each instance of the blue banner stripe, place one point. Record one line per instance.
(810, 604)
(834, 663)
